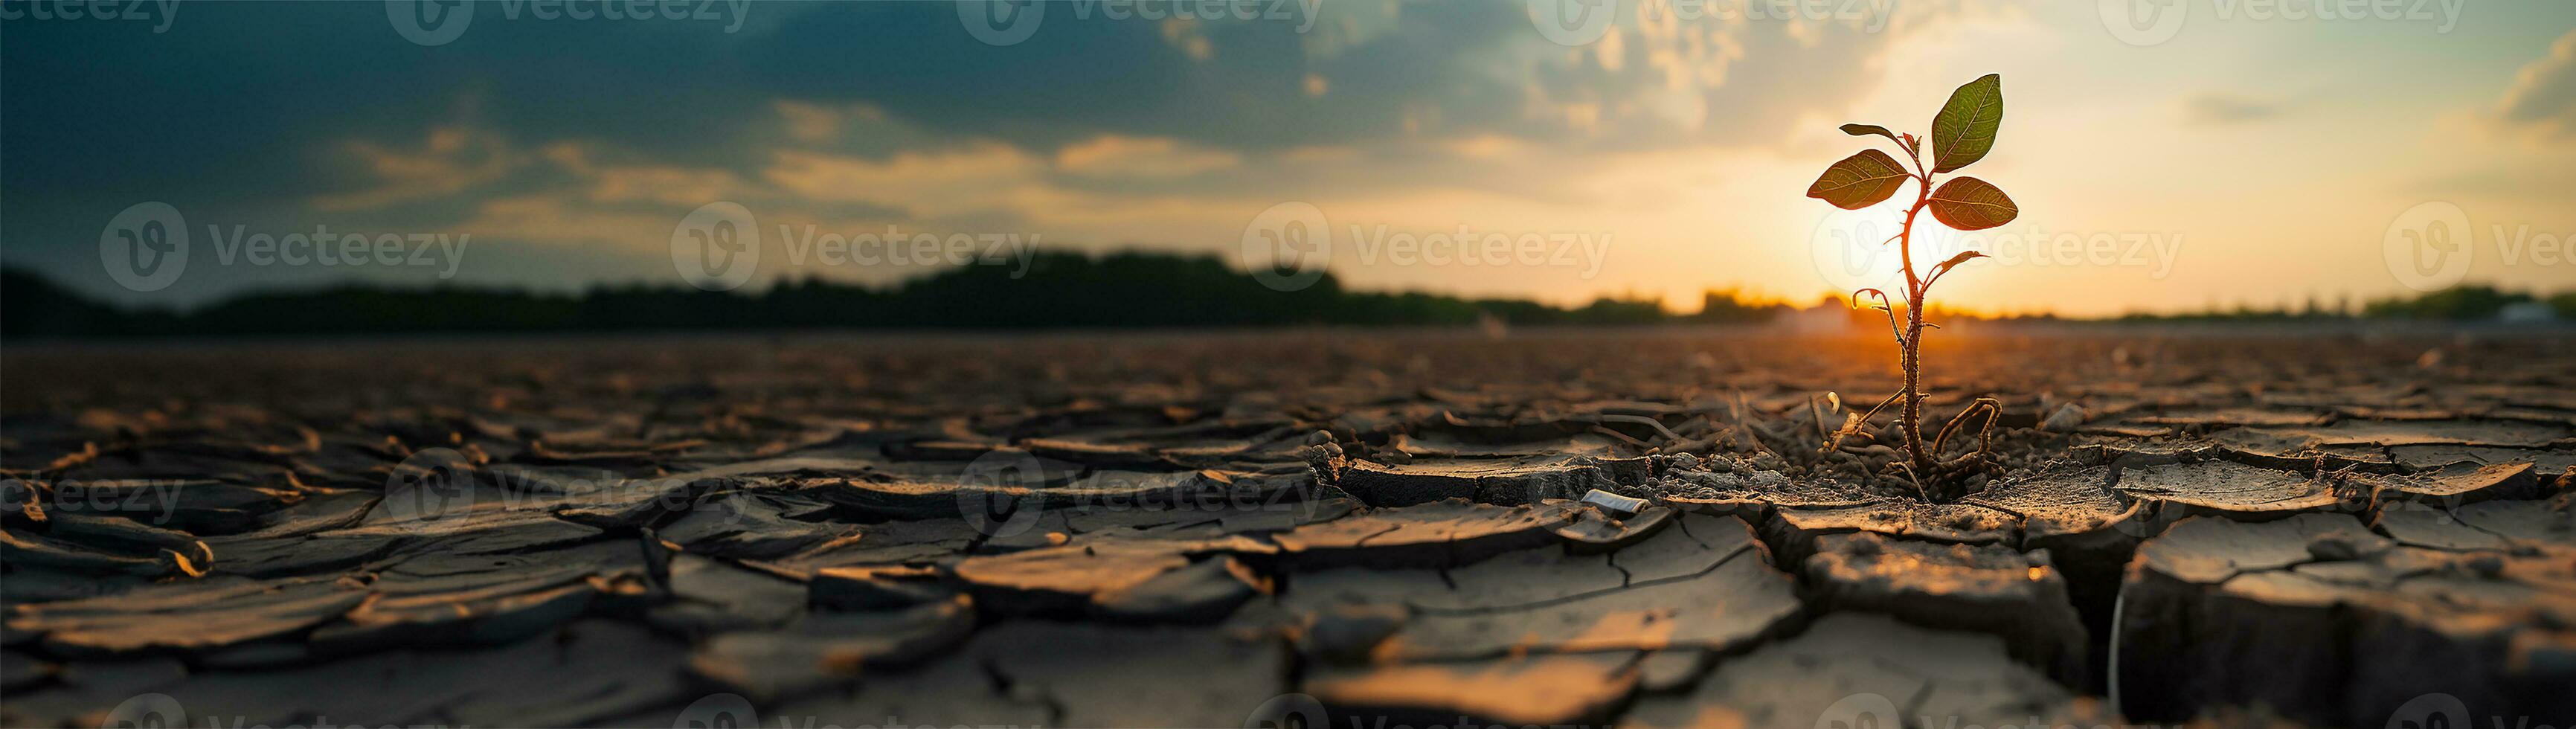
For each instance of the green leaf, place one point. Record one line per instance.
(1965, 129)
(1863, 130)
(1963, 257)
(1968, 203)
(1859, 181)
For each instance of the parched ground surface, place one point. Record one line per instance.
(1221, 530)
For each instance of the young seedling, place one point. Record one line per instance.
(1961, 134)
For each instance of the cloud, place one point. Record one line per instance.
(451, 160)
(1096, 131)
(556, 219)
(2528, 180)
(811, 122)
(1366, 71)
(2219, 108)
(923, 183)
(1116, 156)
(665, 184)
(2543, 96)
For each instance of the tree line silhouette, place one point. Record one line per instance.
(1059, 290)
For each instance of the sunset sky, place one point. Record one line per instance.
(2255, 153)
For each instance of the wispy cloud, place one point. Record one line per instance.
(2543, 96)
(450, 160)
(1688, 138)
(2219, 108)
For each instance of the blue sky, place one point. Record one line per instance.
(2253, 153)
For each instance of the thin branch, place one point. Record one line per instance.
(1990, 407)
(1622, 436)
(1817, 414)
(1643, 420)
(1885, 306)
(1882, 405)
(1915, 480)
(1853, 424)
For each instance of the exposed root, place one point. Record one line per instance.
(1947, 478)
(1852, 425)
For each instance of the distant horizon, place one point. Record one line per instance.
(1742, 293)
(1480, 149)
(1150, 283)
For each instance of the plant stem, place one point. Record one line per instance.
(1912, 346)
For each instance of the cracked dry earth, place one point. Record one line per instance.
(1231, 529)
